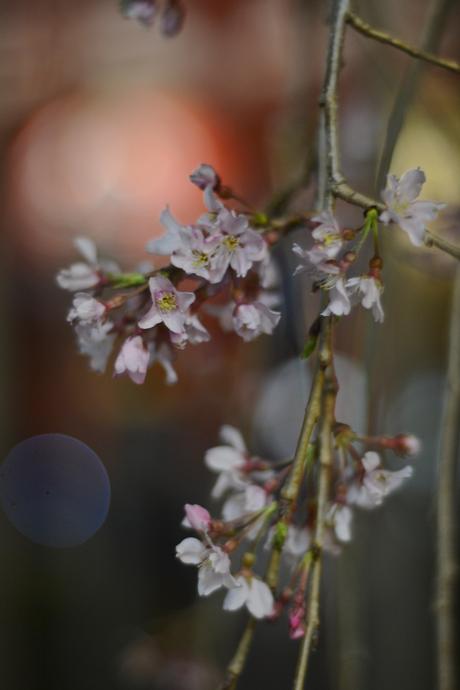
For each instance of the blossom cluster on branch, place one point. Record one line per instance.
(220, 266)
(252, 516)
(224, 264)
(335, 251)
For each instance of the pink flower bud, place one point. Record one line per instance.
(205, 176)
(198, 517)
(296, 623)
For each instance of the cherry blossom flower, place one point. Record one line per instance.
(377, 483)
(205, 176)
(251, 320)
(213, 565)
(328, 243)
(195, 252)
(369, 290)
(133, 359)
(85, 309)
(96, 341)
(227, 461)
(172, 239)
(84, 275)
(251, 592)
(251, 500)
(297, 542)
(196, 517)
(169, 306)
(81, 275)
(402, 208)
(239, 247)
(317, 256)
(339, 517)
(327, 226)
(339, 299)
(163, 355)
(194, 333)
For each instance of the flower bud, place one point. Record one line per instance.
(407, 444)
(205, 176)
(376, 263)
(143, 11)
(172, 18)
(198, 517)
(248, 560)
(348, 234)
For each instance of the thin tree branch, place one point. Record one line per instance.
(326, 459)
(345, 192)
(312, 412)
(432, 240)
(446, 513)
(312, 627)
(328, 100)
(433, 30)
(237, 663)
(367, 30)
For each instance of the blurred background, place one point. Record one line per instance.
(101, 121)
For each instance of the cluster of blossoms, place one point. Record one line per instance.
(224, 261)
(253, 513)
(332, 255)
(171, 14)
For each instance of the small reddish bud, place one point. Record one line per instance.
(230, 545)
(217, 527)
(349, 257)
(348, 234)
(407, 444)
(271, 237)
(376, 263)
(271, 485)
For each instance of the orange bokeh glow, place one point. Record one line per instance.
(107, 165)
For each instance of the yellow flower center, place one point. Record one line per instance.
(166, 301)
(200, 258)
(330, 239)
(231, 242)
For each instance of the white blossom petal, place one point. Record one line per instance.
(191, 551)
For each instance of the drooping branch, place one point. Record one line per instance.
(328, 100)
(333, 183)
(325, 467)
(431, 37)
(432, 240)
(446, 512)
(367, 30)
(238, 662)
